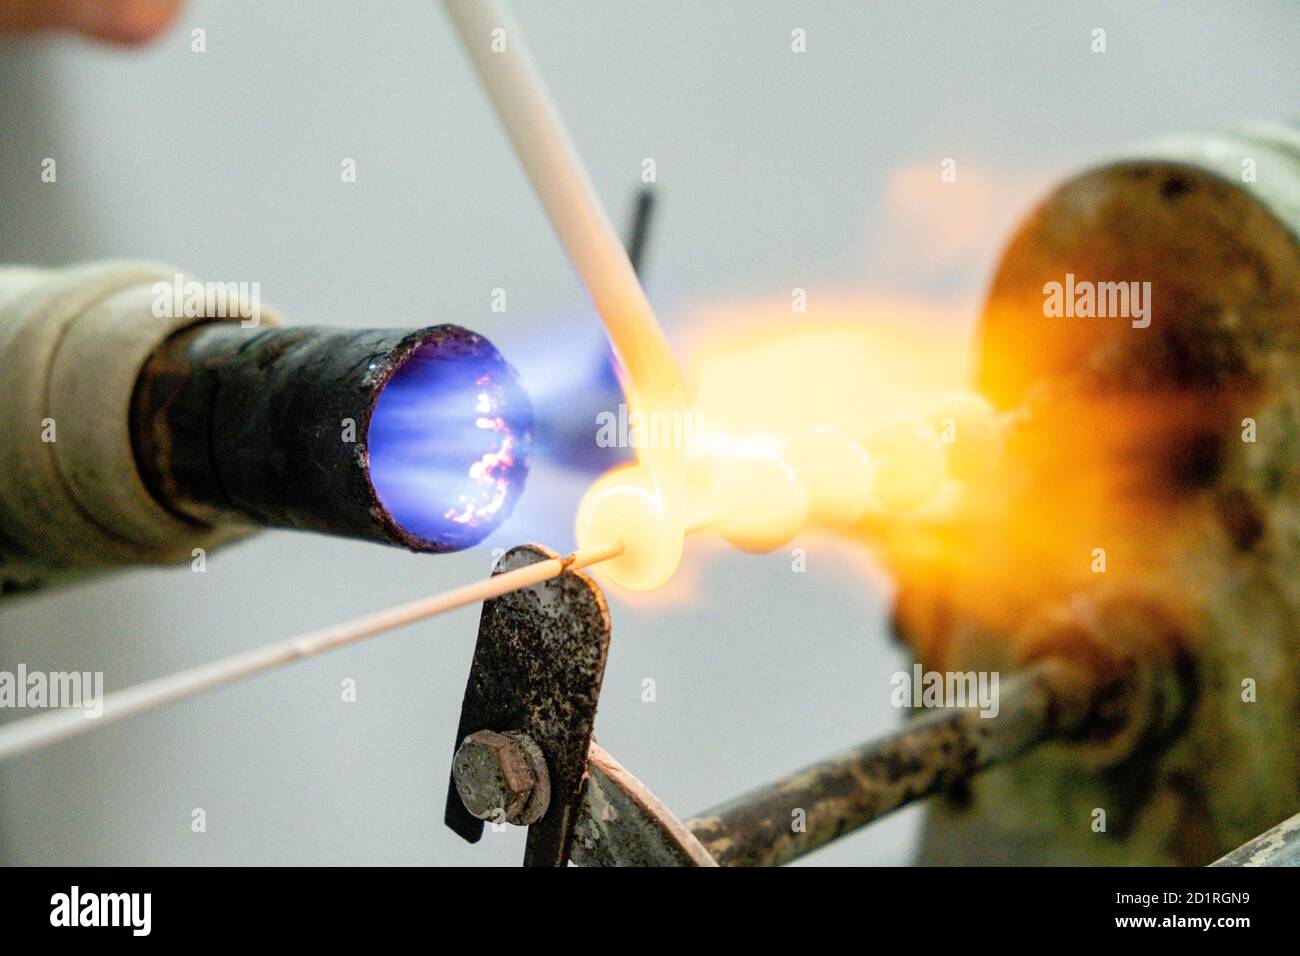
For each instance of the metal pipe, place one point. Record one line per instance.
(1048, 700)
(283, 427)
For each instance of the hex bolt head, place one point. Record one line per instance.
(502, 777)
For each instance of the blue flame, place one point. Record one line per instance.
(572, 376)
(449, 440)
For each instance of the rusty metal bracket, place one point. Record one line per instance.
(537, 670)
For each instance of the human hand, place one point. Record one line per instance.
(118, 21)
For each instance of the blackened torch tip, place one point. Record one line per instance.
(448, 440)
(417, 438)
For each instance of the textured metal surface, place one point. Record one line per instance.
(502, 774)
(796, 815)
(621, 823)
(248, 425)
(537, 669)
(1280, 846)
(1136, 442)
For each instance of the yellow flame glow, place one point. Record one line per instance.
(782, 403)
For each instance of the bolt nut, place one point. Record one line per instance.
(502, 777)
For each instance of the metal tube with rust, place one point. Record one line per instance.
(1049, 700)
(286, 427)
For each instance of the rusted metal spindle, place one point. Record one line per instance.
(1047, 700)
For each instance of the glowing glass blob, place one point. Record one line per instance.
(909, 462)
(764, 506)
(968, 424)
(835, 472)
(625, 506)
(448, 443)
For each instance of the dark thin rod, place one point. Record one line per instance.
(642, 215)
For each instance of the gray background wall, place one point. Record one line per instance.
(775, 172)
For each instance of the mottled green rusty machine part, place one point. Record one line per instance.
(1222, 254)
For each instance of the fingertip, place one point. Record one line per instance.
(128, 22)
